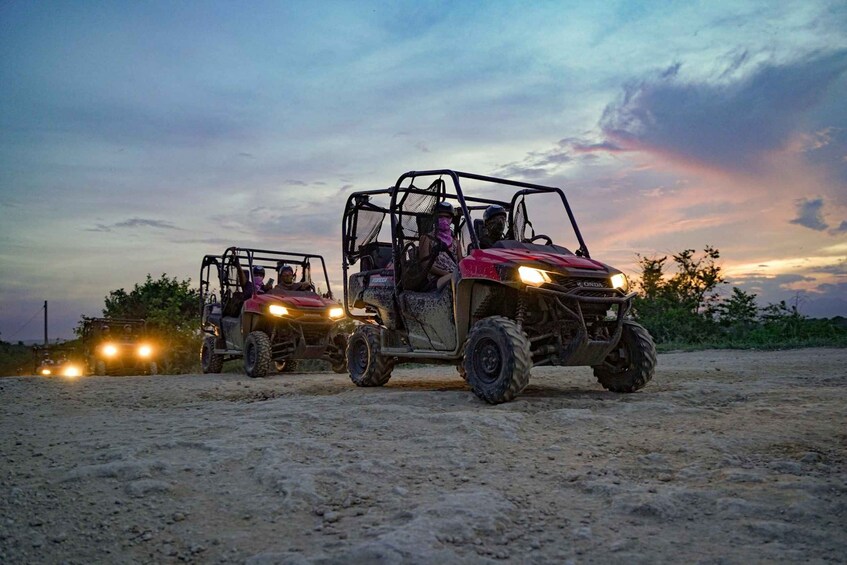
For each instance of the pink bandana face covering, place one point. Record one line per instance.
(443, 231)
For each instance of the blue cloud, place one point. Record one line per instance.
(135, 223)
(724, 124)
(809, 214)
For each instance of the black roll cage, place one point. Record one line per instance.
(361, 201)
(237, 256)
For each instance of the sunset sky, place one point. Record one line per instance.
(135, 137)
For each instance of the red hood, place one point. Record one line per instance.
(498, 256)
(294, 299)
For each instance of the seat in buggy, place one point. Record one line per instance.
(375, 256)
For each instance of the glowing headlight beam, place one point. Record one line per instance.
(619, 281)
(278, 310)
(145, 351)
(110, 350)
(335, 313)
(71, 371)
(45, 372)
(534, 277)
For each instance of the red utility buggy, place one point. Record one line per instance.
(270, 326)
(530, 299)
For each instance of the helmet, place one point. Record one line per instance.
(258, 271)
(443, 208)
(286, 268)
(493, 210)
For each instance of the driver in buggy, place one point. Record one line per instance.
(493, 227)
(286, 280)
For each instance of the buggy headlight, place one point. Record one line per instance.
(335, 313)
(71, 371)
(277, 310)
(534, 277)
(109, 350)
(45, 372)
(619, 281)
(145, 351)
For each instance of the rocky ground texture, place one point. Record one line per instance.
(726, 456)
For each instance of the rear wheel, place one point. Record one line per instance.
(367, 366)
(497, 359)
(257, 354)
(210, 362)
(630, 366)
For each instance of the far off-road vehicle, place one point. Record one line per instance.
(525, 301)
(115, 346)
(270, 325)
(55, 361)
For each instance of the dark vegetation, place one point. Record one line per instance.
(686, 310)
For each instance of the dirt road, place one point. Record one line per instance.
(726, 456)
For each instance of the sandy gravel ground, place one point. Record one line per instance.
(726, 457)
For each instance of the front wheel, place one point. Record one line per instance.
(630, 365)
(367, 365)
(497, 359)
(210, 362)
(257, 355)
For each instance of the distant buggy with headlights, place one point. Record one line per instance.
(514, 302)
(271, 326)
(55, 361)
(116, 346)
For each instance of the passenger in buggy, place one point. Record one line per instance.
(439, 249)
(258, 284)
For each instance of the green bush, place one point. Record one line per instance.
(685, 311)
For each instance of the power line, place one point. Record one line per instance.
(14, 335)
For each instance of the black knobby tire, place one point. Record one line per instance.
(367, 366)
(497, 359)
(630, 366)
(257, 355)
(100, 368)
(210, 362)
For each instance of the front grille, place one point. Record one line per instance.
(590, 286)
(314, 335)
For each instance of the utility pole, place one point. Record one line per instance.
(45, 324)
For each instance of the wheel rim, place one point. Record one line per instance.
(359, 358)
(487, 360)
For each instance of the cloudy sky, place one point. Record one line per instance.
(137, 136)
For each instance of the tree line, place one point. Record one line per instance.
(685, 309)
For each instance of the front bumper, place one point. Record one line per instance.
(584, 348)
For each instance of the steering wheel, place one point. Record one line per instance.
(541, 236)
